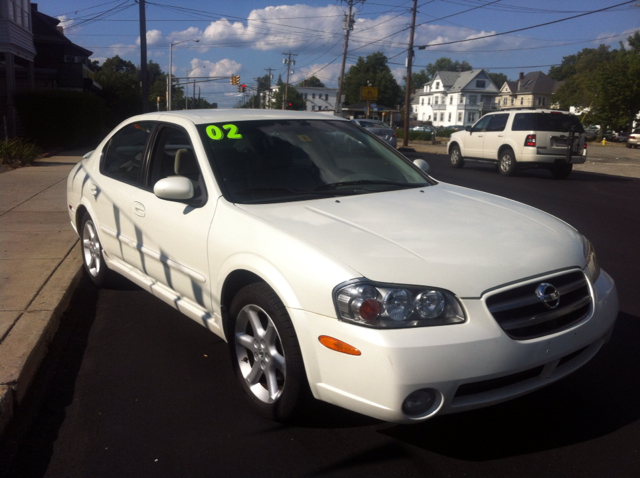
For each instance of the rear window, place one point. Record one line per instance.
(546, 122)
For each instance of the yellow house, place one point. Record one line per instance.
(533, 90)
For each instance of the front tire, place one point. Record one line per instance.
(457, 161)
(92, 254)
(507, 164)
(265, 353)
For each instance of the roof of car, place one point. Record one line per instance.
(241, 114)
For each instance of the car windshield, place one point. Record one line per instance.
(290, 160)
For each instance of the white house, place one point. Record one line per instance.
(316, 98)
(456, 98)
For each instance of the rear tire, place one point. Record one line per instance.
(507, 164)
(561, 170)
(265, 354)
(457, 161)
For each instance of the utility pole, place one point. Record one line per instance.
(407, 96)
(269, 93)
(347, 25)
(287, 61)
(144, 74)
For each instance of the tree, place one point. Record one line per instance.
(604, 81)
(418, 79)
(498, 79)
(446, 64)
(372, 71)
(312, 81)
(295, 101)
(120, 89)
(634, 42)
(581, 61)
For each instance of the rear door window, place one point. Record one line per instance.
(523, 122)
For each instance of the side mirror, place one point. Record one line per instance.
(422, 164)
(174, 188)
(467, 128)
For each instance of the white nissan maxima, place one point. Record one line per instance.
(331, 264)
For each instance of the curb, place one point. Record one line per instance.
(26, 345)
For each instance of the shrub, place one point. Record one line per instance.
(18, 152)
(67, 119)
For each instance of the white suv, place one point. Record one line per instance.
(520, 138)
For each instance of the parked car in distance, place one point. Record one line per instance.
(632, 140)
(522, 138)
(591, 134)
(622, 136)
(456, 127)
(381, 129)
(424, 128)
(335, 267)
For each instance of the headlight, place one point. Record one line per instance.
(389, 306)
(592, 268)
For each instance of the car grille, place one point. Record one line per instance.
(523, 315)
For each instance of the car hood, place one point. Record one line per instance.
(442, 236)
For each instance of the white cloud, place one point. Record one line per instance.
(66, 22)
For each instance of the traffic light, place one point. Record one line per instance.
(239, 88)
(290, 106)
(235, 80)
(244, 88)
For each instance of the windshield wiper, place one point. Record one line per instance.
(369, 182)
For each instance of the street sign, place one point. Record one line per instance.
(369, 93)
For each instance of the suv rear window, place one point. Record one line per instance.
(545, 122)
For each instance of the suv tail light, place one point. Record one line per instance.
(530, 140)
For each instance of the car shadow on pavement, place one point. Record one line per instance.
(596, 401)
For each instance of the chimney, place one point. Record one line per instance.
(521, 76)
(60, 29)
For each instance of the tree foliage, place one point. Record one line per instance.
(604, 81)
(312, 81)
(498, 79)
(372, 71)
(446, 64)
(294, 100)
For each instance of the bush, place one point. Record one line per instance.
(18, 152)
(66, 119)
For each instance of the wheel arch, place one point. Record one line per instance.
(503, 148)
(451, 145)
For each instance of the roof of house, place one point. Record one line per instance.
(454, 81)
(534, 83)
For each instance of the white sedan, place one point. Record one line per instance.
(335, 267)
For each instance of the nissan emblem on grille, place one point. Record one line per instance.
(549, 295)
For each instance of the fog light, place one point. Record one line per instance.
(418, 402)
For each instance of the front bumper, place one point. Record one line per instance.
(468, 365)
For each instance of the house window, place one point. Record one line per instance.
(435, 100)
(460, 117)
(461, 99)
(437, 85)
(313, 108)
(513, 100)
(429, 119)
(472, 117)
(305, 95)
(521, 100)
(473, 100)
(504, 101)
(326, 96)
(313, 96)
(429, 101)
(422, 101)
(441, 116)
(449, 118)
(480, 83)
(451, 100)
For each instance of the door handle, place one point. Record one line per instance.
(138, 208)
(93, 189)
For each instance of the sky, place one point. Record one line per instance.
(249, 37)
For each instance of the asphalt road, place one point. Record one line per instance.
(134, 389)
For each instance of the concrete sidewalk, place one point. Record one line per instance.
(40, 267)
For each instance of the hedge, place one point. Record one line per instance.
(55, 118)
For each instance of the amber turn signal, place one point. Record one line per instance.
(338, 345)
